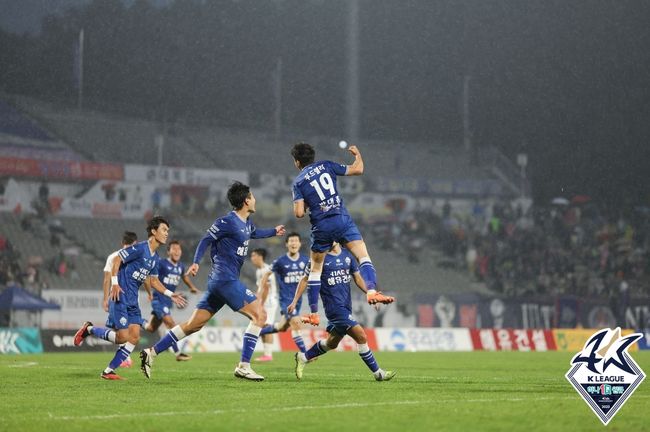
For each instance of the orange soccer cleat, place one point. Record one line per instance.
(375, 297)
(312, 318)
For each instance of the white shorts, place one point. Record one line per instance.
(271, 311)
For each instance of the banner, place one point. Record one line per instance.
(442, 187)
(163, 175)
(573, 340)
(512, 340)
(63, 341)
(22, 340)
(423, 339)
(60, 169)
(218, 339)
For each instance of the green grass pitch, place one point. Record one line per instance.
(476, 391)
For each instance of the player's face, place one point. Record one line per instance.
(161, 233)
(251, 203)
(336, 248)
(293, 245)
(175, 252)
(256, 260)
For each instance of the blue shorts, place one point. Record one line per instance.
(340, 323)
(296, 311)
(338, 228)
(231, 293)
(121, 315)
(161, 309)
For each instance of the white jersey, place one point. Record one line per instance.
(109, 261)
(272, 297)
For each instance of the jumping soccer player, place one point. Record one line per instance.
(170, 272)
(288, 269)
(228, 239)
(339, 269)
(131, 267)
(269, 299)
(315, 189)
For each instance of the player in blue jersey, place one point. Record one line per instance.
(131, 267)
(314, 189)
(170, 273)
(228, 239)
(339, 269)
(288, 270)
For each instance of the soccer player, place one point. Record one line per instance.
(170, 272)
(131, 267)
(228, 239)
(288, 269)
(339, 269)
(269, 299)
(128, 239)
(315, 189)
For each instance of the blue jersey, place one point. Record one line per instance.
(137, 264)
(338, 271)
(316, 185)
(289, 273)
(169, 274)
(228, 239)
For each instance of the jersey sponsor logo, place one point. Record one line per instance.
(172, 279)
(604, 374)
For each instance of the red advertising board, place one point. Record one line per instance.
(63, 169)
(512, 340)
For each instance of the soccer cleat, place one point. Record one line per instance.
(183, 357)
(248, 373)
(82, 333)
(111, 376)
(312, 318)
(375, 297)
(382, 375)
(300, 366)
(264, 358)
(146, 360)
(127, 363)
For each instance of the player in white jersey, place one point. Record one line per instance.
(269, 298)
(129, 238)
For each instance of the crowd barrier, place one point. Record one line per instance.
(229, 339)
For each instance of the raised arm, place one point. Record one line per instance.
(357, 166)
(260, 233)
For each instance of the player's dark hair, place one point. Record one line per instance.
(292, 234)
(237, 194)
(171, 243)
(261, 252)
(304, 153)
(154, 223)
(128, 238)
